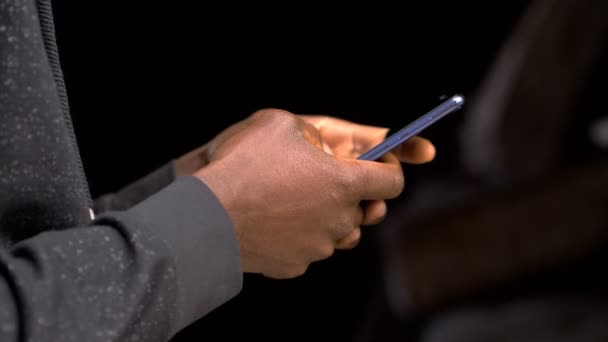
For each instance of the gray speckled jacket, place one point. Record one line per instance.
(160, 254)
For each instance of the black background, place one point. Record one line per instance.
(161, 78)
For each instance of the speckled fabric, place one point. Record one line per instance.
(160, 254)
(35, 138)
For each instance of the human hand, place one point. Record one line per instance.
(346, 139)
(290, 202)
(339, 137)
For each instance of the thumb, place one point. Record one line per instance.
(366, 137)
(377, 134)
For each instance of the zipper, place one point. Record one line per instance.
(47, 26)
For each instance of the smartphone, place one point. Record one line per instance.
(448, 106)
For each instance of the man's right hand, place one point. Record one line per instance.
(290, 202)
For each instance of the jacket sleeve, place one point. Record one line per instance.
(141, 274)
(136, 191)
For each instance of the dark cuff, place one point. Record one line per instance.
(199, 233)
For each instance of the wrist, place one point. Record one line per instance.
(191, 162)
(215, 180)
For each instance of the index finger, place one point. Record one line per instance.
(416, 150)
(373, 180)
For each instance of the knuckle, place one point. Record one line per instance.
(259, 114)
(340, 187)
(272, 114)
(326, 251)
(346, 182)
(297, 271)
(398, 182)
(342, 225)
(347, 225)
(351, 241)
(347, 222)
(351, 175)
(354, 242)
